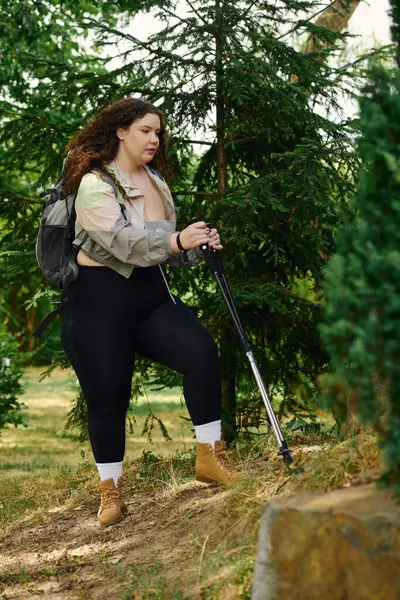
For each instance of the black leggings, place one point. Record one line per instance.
(108, 318)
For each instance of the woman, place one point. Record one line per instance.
(121, 303)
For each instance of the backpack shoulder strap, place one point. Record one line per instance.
(107, 179)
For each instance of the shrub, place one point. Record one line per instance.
(362, 314)
(10, 386)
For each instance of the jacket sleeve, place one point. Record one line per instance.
(191, 258)
(101, 217)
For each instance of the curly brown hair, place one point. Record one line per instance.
(97, 144)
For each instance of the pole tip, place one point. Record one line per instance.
(285, 453)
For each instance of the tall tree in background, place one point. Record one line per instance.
(39, 45)
(275, 174)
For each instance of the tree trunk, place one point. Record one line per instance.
(25, 320)
(222, 167)
(228, 354)
(335, 18)
(30, 322)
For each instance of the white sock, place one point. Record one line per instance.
(110, 470)
(208, 433)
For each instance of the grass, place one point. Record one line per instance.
(182, 540)
(42, 444)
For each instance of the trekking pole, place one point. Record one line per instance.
(215, 264)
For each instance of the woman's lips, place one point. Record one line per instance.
(152, 150)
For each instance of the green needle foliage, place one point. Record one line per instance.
(361, 324)
(41, 51)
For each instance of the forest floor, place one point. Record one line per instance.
(181, 540)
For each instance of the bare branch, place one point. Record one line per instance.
(374, 52)
(240, 140)
(173, 14)
(194, 193)
(200, 142)
(14, 196)
(244, 14)
(223, 143)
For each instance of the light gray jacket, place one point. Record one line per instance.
(118, 238)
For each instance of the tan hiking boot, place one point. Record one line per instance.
(213, 467)
(112, 507)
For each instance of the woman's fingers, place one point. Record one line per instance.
(214, 237)
(198, 225)
(214, 240)
(198, 234)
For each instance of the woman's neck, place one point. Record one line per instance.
(127, 168)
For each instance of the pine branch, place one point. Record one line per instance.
(166, 31)
(240, 140)
(174, 15)
(39, 58)
(196, 12)
(375, 52)
(148, 46)
(223, 143)
(246, 12)
(30, 117)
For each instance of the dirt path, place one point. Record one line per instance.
(69, 557)
(179, 541)
(182, 540)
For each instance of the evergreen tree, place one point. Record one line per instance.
(274, 177)
(361, 322)
(40, 47)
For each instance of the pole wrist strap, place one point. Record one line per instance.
(179, 244)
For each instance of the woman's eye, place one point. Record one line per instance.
(148, 131)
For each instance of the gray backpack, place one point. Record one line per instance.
(55, 253)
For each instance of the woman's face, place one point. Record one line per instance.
(140, 140)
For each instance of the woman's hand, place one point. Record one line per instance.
(213, 240)
(192, 236)
(195, 235)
